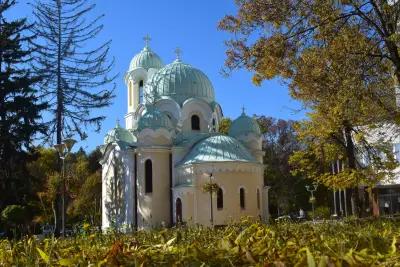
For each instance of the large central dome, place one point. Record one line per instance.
(180, 82)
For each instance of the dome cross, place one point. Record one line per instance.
(178, 53)
(146, 40)
(243, 110)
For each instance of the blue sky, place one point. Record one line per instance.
(192, 26)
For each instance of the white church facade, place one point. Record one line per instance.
(154, 170)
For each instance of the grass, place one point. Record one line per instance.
(350, 243)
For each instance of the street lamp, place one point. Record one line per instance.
(312, 198)
(211, 187)
(63, 150)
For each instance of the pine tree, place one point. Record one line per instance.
(20, 108)
(74, 77)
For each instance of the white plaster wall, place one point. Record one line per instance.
(230, 177)
(134, 77)
(196, 107)
(154, 208)
(160, 137)
(231, 182)
(127, 171)
(187, 196)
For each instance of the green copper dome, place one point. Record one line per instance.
(218, 148)
(146, 59)
(181, 81)
(244, 125)
(154, 119)
(119, 134)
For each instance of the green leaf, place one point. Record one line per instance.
(169, 242)
(310, 259)
(65, 262)
(393, 246)
(43, 255)
(323, 262)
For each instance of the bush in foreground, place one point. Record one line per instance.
(352, 243)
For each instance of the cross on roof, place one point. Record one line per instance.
(243, 110)
(178, 53)
(147, 39)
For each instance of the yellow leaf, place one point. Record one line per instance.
(43, 255)
(65, 262)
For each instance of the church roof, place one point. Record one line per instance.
(244, 125)
(119, 134)
(218, 148)
(146, 59)
(180, 82)
(154, 119)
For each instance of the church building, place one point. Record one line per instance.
(156, 169)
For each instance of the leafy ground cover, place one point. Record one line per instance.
(350, 243)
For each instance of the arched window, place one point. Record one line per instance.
(242, 198)
(195, 122)
(130, 94)
(141, 92)
(178, 210)
(148, 176)
(258, 198)
(220, 199)
(213, 125)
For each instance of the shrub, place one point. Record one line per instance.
(350, 243)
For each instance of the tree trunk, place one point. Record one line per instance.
(373, 201)
(351, 158)
(59, 113)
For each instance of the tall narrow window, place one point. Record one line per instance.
(220, 199)
(141, 92)
(258, 198)
(242, 198)
(130, 94)
(213, 125)
(148, 174)
(195, 122)
(178, 209)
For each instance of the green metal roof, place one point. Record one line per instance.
(154, 119)
(218, 148)
(119, 134)
(244, 125)
(180, 82)
(146, 59)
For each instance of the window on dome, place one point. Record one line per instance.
(148, 173)
(220, 199)
(213, 125)
(195, 123)
(242, 199)
(141, 92)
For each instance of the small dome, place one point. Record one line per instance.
(119, 134)
(180, 82)
(154, 119)
(218, 148)
(243, 126)
(146, 59)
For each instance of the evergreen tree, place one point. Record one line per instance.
(74, 77)
(20, 108)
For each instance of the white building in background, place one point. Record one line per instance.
(155, 168)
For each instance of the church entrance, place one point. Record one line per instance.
(178, 209)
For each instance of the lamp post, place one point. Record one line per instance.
(63, 150)
(312, 198)
(210, 187)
